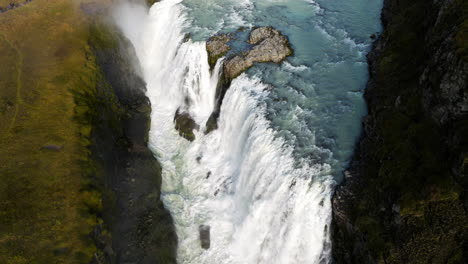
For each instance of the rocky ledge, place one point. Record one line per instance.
(217, 46)
(267, 45)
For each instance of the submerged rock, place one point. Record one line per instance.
(185, 125)
(204, 236)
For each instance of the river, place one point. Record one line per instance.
(263, 180)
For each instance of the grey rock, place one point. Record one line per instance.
(217, 46)
(262, 33)
(204, 236)
(270, 46)
(52, 147)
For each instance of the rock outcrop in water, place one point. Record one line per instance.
(404, 198)
(185, 124)
(204, 236)
(269, 45)
(217, 46)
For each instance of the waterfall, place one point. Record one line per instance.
(241, 179)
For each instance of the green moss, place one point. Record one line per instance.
(100, 36)
(49, 200)
(151, 2)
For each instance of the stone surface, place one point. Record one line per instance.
(262, 33)
(185, 124)
(269, 45)
(204, 236)
(217, 46)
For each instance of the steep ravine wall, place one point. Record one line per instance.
(404, 196)
(140, 228)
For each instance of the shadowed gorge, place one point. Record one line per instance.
(233, 131)
(404, 199)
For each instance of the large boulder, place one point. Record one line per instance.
(270, 46)
(204, 236)
(262, 33)
(185, 124)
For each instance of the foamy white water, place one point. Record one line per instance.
(243, 179)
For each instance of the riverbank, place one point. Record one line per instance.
(404, 196)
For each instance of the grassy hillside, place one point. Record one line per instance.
(47, 210)
(7, 2)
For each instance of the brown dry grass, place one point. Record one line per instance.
(44, 55)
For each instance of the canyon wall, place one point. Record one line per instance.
(403, 199)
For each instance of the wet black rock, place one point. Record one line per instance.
(185, 124)
(204, 236)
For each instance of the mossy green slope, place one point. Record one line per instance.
(73, 148)
(47, 210)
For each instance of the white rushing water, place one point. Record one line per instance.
(240, 179)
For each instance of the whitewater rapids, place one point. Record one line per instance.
(240, 179)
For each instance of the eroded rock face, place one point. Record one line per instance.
(185, 125)
(262, 33)
(269, 46)
(413, 145)
(217, 46)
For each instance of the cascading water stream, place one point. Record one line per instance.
(243, 179)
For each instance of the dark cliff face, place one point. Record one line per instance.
(137, 228)
(404, 198)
